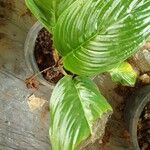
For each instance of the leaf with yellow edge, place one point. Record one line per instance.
(124, 74)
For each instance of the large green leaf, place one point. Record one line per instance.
(124, 74)
(95, 36)
(74, 107)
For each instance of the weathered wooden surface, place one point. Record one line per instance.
(23, 125)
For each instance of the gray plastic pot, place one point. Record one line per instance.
(133, 110)
(29, 54)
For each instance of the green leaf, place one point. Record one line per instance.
(97, 34)
(124, 74)
(48, 11)
(94, 36)
(74, 107)
(42, 11)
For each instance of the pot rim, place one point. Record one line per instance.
(133, 113)
(29, 54)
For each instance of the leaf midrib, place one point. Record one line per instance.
(87, 41)
(80, 100)
(97, 33)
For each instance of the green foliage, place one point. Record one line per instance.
(75, 105)
(48, 11)
(92, 36)
(97, 34)
(42, 11)
(124, 74)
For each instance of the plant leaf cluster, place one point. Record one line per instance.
(92, 36)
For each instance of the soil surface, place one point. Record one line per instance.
(144, 129)
(46, 57)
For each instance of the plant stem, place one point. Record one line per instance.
(60, 68)
(63, 71)
(60, 62)
(40, 73)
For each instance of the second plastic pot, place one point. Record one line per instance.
(133, 110)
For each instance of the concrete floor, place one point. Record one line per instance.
(24, 114)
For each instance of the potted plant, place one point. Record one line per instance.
(92, 37)
(137, 116)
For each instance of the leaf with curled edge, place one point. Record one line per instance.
(76, 105)
(124, 74)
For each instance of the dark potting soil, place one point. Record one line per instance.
(46, 57)
(143, 131)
